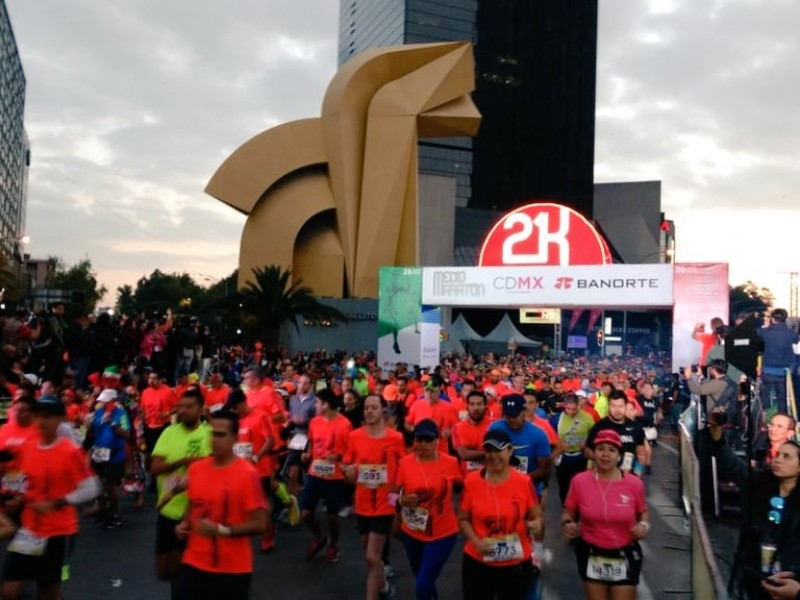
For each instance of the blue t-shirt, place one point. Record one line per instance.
(530, 444)
(104, 432)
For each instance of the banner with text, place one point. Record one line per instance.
(579, 286)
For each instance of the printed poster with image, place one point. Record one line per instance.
(400, 318)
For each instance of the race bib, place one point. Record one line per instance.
(573, 442)
(504, 548)
(416, 519)
(323, 468)
(243, 450)
(373, 475)
(100, 455)
(463, 415)
(25, 542)
(627, 461)
(602, 568)
(298, 442)
(522, 467)
(14, 482)
(474, 465)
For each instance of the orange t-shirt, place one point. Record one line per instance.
(215, 398)
(435, 517)
(254, 431)
(156, 402)
(50, 473)
(498, 510)
(328, 437)
(376, 460)
(442, 413)
(266, 400)
(545, 426)
(226, 495)
(470, 435)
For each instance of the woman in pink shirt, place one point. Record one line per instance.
(613, 518)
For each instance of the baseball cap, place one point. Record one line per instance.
(426, 430)
(50, 405)
(513, 405)
(608, 436)
(497, 439)
(107, 395)
(581, 394)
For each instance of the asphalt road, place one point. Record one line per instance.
(118, 564)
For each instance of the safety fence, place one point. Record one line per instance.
(706, 579)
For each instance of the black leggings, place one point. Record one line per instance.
(483, 582)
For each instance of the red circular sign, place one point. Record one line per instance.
(544, 234)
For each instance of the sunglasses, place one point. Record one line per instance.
(777, 503)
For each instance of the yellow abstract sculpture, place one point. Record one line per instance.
(335, 198)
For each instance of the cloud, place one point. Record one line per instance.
(132, 106)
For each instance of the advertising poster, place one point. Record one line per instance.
(400, 316)
(701, 293)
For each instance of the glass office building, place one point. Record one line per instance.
(14, 146)
(535, 87)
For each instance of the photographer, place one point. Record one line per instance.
(769, 547)
(720, 392)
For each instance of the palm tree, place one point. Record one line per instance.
(271, 300)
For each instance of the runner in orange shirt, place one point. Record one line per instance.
(499, 515)
(263, 396)
(432, 407)
(327, 442)
(371, 461)
(157, 402)
(57, 480)
(426, 480)
(255, 440)
(216, 394)
(226, 507)
(468, 435)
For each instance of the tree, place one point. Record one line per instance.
(750, 298)
(126, 301)
(81, 283)
(155, 294)
(11, 286)
(272, 300)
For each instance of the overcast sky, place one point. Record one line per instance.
(132, 105)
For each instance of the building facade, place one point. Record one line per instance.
(14, 145)
(535, 68)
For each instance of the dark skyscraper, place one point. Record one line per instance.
(535, 63)
(14, 146)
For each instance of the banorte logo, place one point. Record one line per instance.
(543, 234)
(563, 283)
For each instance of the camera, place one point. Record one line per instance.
(717, 418)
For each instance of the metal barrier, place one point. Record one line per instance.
(706, 579)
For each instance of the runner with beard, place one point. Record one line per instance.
(370, 462)
(468, 435)
(631, 434)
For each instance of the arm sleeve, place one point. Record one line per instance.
(87, 489)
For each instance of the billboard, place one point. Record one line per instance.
(575, 286)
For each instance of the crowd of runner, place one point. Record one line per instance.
(236, 443)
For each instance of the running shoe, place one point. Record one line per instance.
(332, 554)
(346, 512)
(315, 548)
(293, 511)
(389, 592)
(112, 522)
